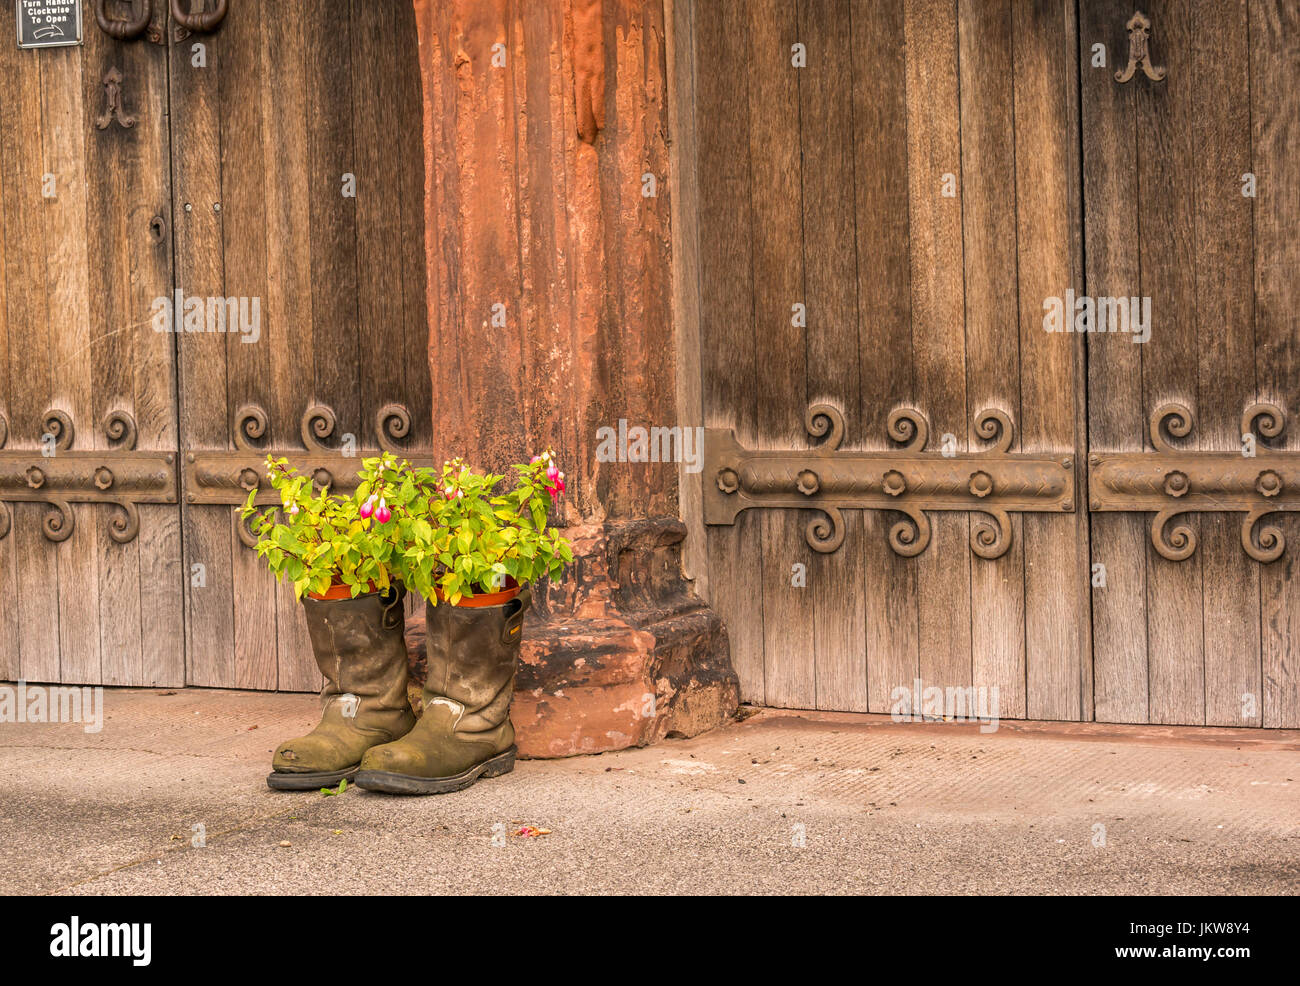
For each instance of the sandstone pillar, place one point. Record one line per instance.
(547, 225)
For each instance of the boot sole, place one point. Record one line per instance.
(282, 781)
(390, 783)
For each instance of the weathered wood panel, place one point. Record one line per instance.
(298, 148)
(1115, 420)
(911, 301)
(728, 343)
(81, 264)
(1274, 35)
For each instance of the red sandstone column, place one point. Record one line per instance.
(547, 195)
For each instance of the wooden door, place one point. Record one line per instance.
(299, 181)
(90, 540)
(887, 191)
(1192, 191)
(275, 161)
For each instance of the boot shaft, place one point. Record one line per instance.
(359, 645)
(472, 653)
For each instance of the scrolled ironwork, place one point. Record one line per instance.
(1267, 418)
(392, 425)
(251, 425)
(990, 540)
(1264, 544)
(58, 425)
(825, 420)
(1174, 419)
(825, 531)
(119, 426)
(909, 481)
(60, 478)
(909, 427)
(995, 425)
(1177, 544)
(59, 521)
(318, 423)
(1253, 480)
(911, 536)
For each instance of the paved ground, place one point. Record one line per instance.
(882, 807)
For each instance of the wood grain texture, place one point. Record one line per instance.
(727, 341)
(884, 306)
(938, 323)
(1115, 404)
(1166, 212)
(992, 351)
(1057, 656)
(205, 414)
(1274, 36)
(67, 286)
(245, 172)
(29, 366)
(830, 264)
(1224, 303)
(778, 238)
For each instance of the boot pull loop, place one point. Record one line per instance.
(393, 614)
(516, 608)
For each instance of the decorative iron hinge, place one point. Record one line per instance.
(910, 481)
(227, 477)
(59, 475)
(1256, 481)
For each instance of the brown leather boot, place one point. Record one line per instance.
(361, 650)
(464, 732)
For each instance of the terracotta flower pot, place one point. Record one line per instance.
(340, 591)
(488, 598)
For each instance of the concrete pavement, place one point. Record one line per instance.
(777, 803)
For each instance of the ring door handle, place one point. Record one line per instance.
(127, 30)
(201, 22)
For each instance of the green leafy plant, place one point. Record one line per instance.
(315, 539)
(445, 534)
(479, 537)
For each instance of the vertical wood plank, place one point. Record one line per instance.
(992, 353)
(1274, 38)
(72, 375)
(205, 414)
(34, 571)
(1058, 669)
(1115, 408)
(1224, 300)
(938, 323)
(774, 153)
(244, 150)
(830, 265)
(1166, 162)
(726, 337)
(290, 324)
(884, 305)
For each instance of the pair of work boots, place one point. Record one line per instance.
(368, 733)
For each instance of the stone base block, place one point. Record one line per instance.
(621, 653)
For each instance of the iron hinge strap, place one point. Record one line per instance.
(1255, 480)
(911, 481)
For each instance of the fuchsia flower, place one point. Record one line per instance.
(367, 508)
(556, 486)
(382, 514)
